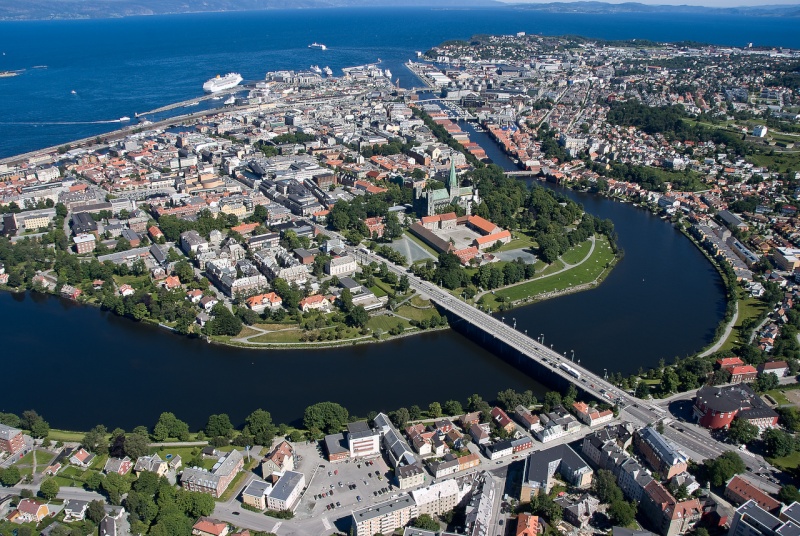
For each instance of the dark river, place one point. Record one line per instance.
(79, 366)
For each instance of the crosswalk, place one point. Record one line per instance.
(277, 526)
(326, 523)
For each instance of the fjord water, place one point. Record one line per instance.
(79, 366)
(122, 66)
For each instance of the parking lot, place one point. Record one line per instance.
(336, 488)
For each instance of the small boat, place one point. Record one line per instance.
(316, 69)
(230, 100)
(318, 45)
(74, 92)
(124, 119)
(327, 71)
(218, 97)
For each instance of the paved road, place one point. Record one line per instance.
(724, 337)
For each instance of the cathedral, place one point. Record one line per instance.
(430, 202)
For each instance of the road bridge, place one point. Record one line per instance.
(520, 349)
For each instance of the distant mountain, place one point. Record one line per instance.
(96, 9)
(635, 7)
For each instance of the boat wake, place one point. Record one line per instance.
(49, 123)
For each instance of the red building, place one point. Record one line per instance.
(11, 439)
(716, 407)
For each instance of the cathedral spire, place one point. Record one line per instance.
(452, 181)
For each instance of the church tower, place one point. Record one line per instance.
(452, 181)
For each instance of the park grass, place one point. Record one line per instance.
(413, 313)
(247, 331)
(748, 308)
(792, 461)
(186, 453)
(378, 291)
(136, 281)
(782, 162)
(275, 326)
(386, 323)
(587, 272)
(419, 302)
(577, 253)
(65, 436)
(520, 240)
(292, 335)
(779, 398)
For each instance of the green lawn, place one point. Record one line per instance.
(577, 253)
(65, 435)
(137, 282)
(780, 162)
(186, 453)
(419, 302)
(778, 396)
(748, 308)
(787, 462)
(519, 240)
(295, 335)
(413, 313)
(386, 322)
(579, 275)
(378, 291)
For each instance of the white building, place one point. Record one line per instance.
(286, 491)
(437, 498)
(362, 440)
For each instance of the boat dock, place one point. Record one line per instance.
(194, 100)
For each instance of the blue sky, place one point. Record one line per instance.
(708, 3)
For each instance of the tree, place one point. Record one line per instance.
(115, 486)
(358, 317)
(259, 424)
(400, 417)
(95, 440)
(435, 410)
(789, 494)
(453, 407)
(49, 489)
(605, 487)
(722, 468)
(414, 413)
(169, 425)
(219, 426)
(328, 417)
(551, 400)
(622, 513)
(35, 423)
(426, 522)
(766, 382)
(135, 445)
(742, 432)
(96, 511)
(778, 442)
(10, 476)
(346, 299)
(184, 271)
(9, 419)
(642, 390)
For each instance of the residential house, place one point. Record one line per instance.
(216, 481)
(479, 433)
(668, 515)
(261, 302)
(502, 420)
(121, 466)
(11, 439)
(525, 418)
(82, 458)
(659, 453)
(384, 517)
(153, 463)
(29, 511)
(409, 476)
(279, 460)
(528, 525)
(75, 510)
(436, 499)
(207, 526)
(739, 490)
(778, 368)
(579, 512)
(501, 449)
(591, 415)
(316, 302)
(255, 494)
(286, 491)
(541, 467)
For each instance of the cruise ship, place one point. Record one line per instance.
(221, 83)
(318, 45)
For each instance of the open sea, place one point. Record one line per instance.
(117, 67)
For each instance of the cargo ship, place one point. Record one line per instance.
(221, 83)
